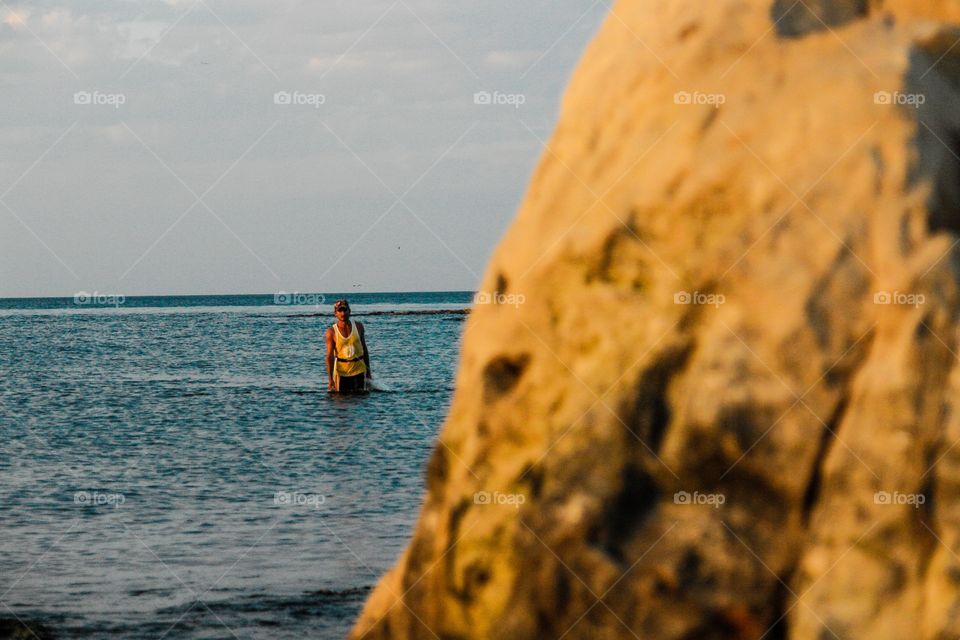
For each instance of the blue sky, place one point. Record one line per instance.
(201, 146)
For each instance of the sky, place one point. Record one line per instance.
(211, 147)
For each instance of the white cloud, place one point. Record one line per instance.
(515, 60)
(16, 18)
(323, 64)
(138, 37)
(202, 95)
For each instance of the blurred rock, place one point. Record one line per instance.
(796, 17)
(715, 396)
(18, 629)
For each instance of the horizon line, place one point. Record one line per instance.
(226, 295)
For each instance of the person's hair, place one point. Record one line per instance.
(343, 302)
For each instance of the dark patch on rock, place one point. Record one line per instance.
(827, 437)
(17, 629)
(688, 571)
(630, 507)
(933, 86)
(621, 262)
(502, 284)
(502, 374)
(744, 422)
(534, 477)
(438, 466)
(732, 623)
(652, 414)
(794, 18)
(847, 279)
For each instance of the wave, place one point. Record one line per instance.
(328, 610)
(267, 602)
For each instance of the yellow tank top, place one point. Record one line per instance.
(349, 352)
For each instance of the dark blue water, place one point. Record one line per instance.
(174, 467)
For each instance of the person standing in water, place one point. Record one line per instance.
(348, 361)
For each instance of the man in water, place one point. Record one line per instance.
(348, 362)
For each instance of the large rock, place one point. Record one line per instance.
(19, 629)
(791, 181)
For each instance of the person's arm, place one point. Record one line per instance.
(331, 347)
(366, 353)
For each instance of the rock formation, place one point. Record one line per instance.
(19, 629)
(714, 393)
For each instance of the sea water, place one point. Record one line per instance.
(174, 467)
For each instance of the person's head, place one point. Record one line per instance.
(341, 309)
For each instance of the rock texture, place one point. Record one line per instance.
(780, 178)
(19, 629)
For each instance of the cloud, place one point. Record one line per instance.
(514, 59)
(16, 18)
(325, 64)
(297, 183)
(139, 37)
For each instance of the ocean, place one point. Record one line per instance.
(173, 467)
